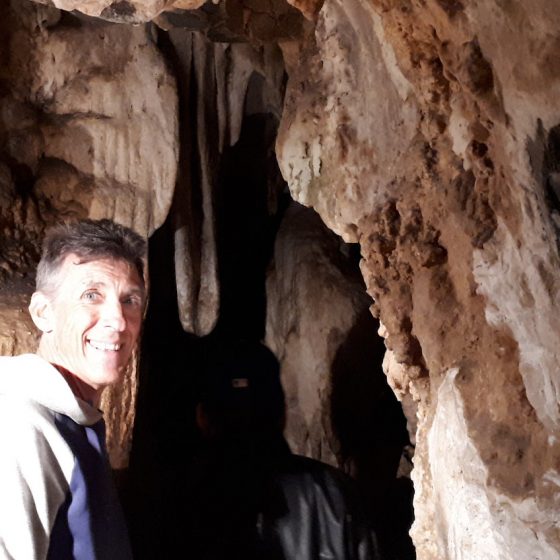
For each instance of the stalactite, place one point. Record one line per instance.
(218, 76)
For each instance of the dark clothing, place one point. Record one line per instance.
(251, 501)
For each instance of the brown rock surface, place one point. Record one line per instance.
(427, 130)
(453, 200)
(221, 20)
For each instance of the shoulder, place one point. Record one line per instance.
(35, 470)
(304, 466)
(323, 485)
(30, 440)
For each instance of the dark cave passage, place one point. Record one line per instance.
(365, 417)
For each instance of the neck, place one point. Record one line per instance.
(80, 389)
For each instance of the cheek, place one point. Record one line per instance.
(77, 321)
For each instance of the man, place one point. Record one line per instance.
(249, 496)
(57, 499)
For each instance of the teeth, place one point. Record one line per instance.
(104, 346)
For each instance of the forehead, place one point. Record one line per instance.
(105, 271)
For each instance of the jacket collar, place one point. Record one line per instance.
(30, 377)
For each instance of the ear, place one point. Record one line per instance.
(41, 312)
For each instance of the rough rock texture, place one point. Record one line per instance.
(94, 129)
(313, 302)
(84, 132)
(123, 11)
(257, 21)
(327, 146)
(340, 408)
(427, 130)
(220, 20)
(213, 82)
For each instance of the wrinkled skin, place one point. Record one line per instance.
(91, 322)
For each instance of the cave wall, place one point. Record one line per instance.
(314, 299)
(88, 128)
(425, 130)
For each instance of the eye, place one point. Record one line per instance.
(132, 300)
(91, 295)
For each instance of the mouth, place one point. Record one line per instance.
(104, 346)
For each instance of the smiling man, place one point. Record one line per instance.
(57, 499)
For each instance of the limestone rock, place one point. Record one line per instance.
(221, 20)
(455, 203)
(312, 305)
(18, 334)
(254, 21)
(309, 8)
(123, 11)
(350, 119)
(213, 80)
(426, 130)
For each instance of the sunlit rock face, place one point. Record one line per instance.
(88, 126)
(432, 140)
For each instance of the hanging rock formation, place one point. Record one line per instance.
(213, 81)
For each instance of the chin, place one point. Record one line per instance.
(108, 378)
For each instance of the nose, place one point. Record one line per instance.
(112, 315)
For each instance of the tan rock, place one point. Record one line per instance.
(426, 130)
(312, 305)
(350, 119)
(456, 212)
(309, 8)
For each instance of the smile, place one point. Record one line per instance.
(105, 346)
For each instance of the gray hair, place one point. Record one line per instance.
(89, 240)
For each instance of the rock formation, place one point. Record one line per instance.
(419, 130)
(427, 131)
(313, 302)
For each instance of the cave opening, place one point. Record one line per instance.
(343, 412)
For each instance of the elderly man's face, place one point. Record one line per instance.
(95, 318)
